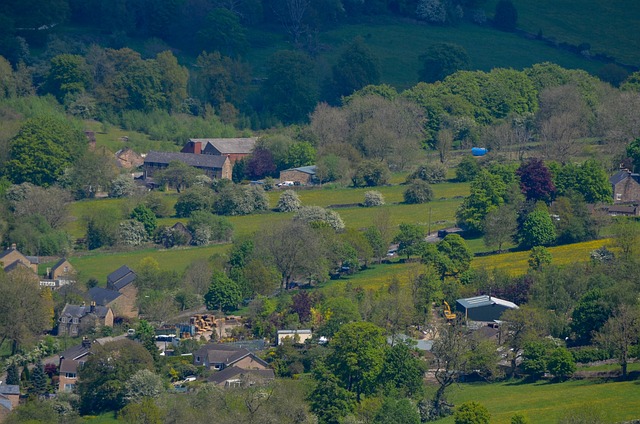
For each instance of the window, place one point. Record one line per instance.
(618, 196)
(63, 320)
(197, 359)
(69, 387)
(75, 320)
(70, 375)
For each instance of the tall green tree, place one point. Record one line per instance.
(500, 226)
(102, 379)
(487, 193)
(620, 333)
(329, 400)
(68, 74)
(290, 91)
(358, 357)
(38, 380)
(356, 68)
(537, 229)
(224, 293)
(441, 60)
(410, 239)
(43, 149)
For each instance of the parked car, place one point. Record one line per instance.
(286, 184)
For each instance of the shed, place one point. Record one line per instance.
(301, 175)
(483, 308)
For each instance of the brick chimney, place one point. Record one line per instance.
(92, 307)
(197, 147)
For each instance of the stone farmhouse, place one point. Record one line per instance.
(120, 295)
(11, 258)
(626, 187)
(233, 148)
(213, 166)
(77, 319)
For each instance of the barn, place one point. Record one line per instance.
(483, 308)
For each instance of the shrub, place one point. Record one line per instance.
(472, 413)
(316, 214)
(196, 199)
(418, 192)
(122, 186)
(370, 173)
(373, 198)
(288, 202)
(131, 233)
(432, 173)
(467, 169)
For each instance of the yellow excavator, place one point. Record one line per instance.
(450, 316)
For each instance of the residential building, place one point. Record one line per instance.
(9, 399)
(77, 319)
(218, 356)
(625, 186)
(120, 295)
(12, 258)
(233, 148)
(237, 377)
(60, 274)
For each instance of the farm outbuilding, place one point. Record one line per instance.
(483, 308)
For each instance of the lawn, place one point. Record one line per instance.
(546, 402)
(102, 264)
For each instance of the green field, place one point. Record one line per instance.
(398, 45)
(609, 26)
(517, 262)
(102, 264)
(547, 402)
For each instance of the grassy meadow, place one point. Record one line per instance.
(608, 26)
(516, 263)
(547, 402)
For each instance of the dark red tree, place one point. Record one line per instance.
(535, 180)
(261, 164)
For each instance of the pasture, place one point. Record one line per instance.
(545, 402)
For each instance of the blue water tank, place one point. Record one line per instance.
(478, 151)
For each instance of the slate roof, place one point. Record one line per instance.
(33, 259)
(229, 145)
(15, 264)
(121, 277)
(58, 264)
(619, 176)
(217, 353)
(231, 372)
(68, 365)
(5, 403)
(485, 300)
(191, 159)
(311, 169)
(103, 296)
(74, 353)
(78, 311)
(9, 389)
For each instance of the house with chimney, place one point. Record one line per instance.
(60, 274)
(233, 148)
(76, 320)
(11, 258)
(120, 295)
(72, 359)
(625, 186)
